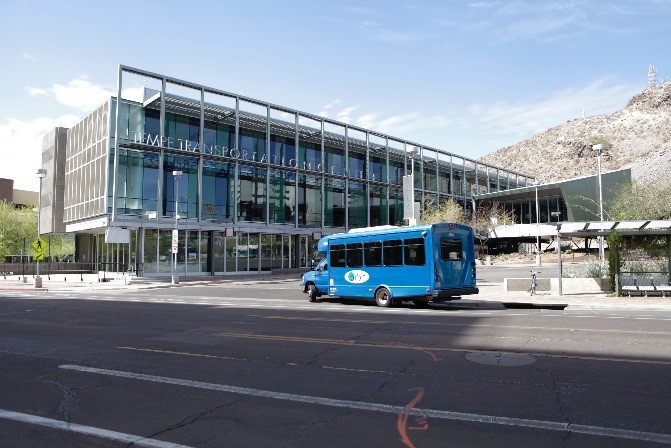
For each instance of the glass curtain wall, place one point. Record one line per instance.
(246, 162)
(183, 189)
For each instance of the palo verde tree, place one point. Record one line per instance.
(485, 218)
(18, 229)
(446, 211)
(635, 201)
(16, 225)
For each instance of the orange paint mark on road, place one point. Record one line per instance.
(431, 354)
(402, 421)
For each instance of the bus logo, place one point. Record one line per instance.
(356, 276)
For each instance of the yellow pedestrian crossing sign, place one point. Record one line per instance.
(39, 256)
(39, 245)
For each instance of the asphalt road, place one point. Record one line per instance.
(252, 364)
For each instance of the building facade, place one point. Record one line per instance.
(259, 183)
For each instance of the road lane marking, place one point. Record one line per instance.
(429, 350)
(386, 408)
(172, 352)
(230, 358)
(350, 342)
(445, 324)
(88, 430)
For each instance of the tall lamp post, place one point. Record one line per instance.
(175, 234)
(409, 187)
(41, 173)
(599, 148)
(538, 228)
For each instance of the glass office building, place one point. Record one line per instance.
(259, 184)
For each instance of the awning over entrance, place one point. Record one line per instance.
(586, 229)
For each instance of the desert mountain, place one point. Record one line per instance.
(639, 137)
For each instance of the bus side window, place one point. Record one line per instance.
(372, 253)
(354, 255)
(450, 249)
(414, 254)
(392, 252)
(338, 255)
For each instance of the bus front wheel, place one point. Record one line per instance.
(312, 293)
(383, 298)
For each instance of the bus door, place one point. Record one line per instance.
(321, 275)
(450, 264)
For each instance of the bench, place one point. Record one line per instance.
(628, 285)
(645, 284)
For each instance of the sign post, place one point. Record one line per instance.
(39, 246)
(175, 240)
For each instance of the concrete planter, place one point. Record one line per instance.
(569, 285)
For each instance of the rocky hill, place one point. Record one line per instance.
(639, 137)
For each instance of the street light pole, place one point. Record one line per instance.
(599, 148)
(538, 229)
(412, 220)
(41, 174)
(175, 275)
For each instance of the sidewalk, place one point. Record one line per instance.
(491, 295)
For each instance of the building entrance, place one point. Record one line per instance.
(219, 253)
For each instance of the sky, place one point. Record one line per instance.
(469, 77)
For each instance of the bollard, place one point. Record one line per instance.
(81, 276)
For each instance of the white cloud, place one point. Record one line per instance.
(506, 123)
(486, 127)
(345, 115)
(132, 94)
(21, 148)
(34, 91)
(410, 126)
(28, 56)
(483, 5)
(80, 94)
(332, 104)
(325, 110)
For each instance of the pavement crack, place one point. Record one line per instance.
(393, 377)
(69, 399)
(319, 355)
(365, 332)
(560, 389)
(187, 421)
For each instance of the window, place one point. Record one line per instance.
(413, 249)
(338, 255)
(392, 252)
(354, 255)
(372, 253)
(450, 249)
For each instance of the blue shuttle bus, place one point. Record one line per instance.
(392, 264)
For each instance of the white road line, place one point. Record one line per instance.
(89, 430)
(390, 409)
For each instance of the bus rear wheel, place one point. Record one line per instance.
(312, 293)
(383, 298)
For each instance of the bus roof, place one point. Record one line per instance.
(384, 230)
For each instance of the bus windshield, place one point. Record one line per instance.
(321, 266)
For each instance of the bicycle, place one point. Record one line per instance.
(532, 287)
